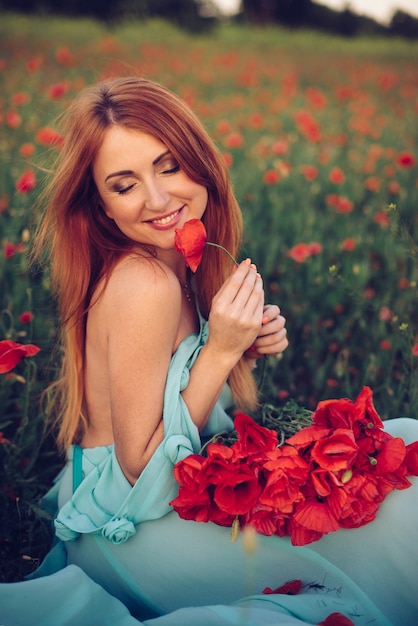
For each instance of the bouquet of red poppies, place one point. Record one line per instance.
(331, 474)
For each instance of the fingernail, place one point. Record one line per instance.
(248, 261)
(265, 320)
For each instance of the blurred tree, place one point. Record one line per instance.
(184, 13)
(404, 25)
(348, 23)
(289, 12)
(293, 12)
(200, 15)
(188, 14)
(259, 11)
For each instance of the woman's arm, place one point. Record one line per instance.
(234, 323)
(142, 308)
(142, 332)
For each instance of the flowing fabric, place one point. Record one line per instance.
(123, 557)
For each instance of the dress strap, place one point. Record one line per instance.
(77, 467)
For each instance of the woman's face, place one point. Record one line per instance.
(143, 189)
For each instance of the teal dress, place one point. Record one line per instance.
(124, 557)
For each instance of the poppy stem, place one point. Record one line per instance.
(216, 245)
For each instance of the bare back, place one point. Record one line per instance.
(104, 318)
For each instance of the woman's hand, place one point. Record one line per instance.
(236, 315)
(272, 338)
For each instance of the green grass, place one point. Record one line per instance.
(293, 99)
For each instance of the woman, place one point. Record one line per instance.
(153, 358)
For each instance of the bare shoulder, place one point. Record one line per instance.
(140, 301)
(141, 280)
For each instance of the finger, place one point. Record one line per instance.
(234, 282)
(270, 312)
(273, 326)
(250, 291)
(272, 344)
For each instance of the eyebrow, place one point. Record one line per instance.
(130, 172)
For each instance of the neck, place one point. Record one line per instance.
(175, 261)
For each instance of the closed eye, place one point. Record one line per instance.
(171, 170)
(123, 190)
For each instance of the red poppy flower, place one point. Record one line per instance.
(372, 183)
(223, 127)
(381, 218)
(34, 63)
(336, 619)
(13, 119)
(337, 451)
(344, 413)
(385, 345)
(234, 140)
(394, 187)
(26, 317)
(291, 588)
(281, 493)
(266, 522)
(317, 516)
(10, 249)
(21, 97)
(27, 149)
(216, 465)
(27, 182)
(316, 97)
(63, 56)
(331, 475)
(186, 472)
(228, 158)
(336, 176)
(300, 252)
(411, 459)
(270, 177)
(390, 456)
(190, 242)
(3, 439)
(308, 126)
(49, 137)
(285, 473)
(365, 409)
(315, 248)
(300, 535)
(324, 481)
(340, 203)
(12, 353)
(406, 159)
(253, 438)
(348, 244)
(358, 512)
(238, 490)
(310, 172)
(280, 147)
(58, 91)
(308, 435)
(191, 504)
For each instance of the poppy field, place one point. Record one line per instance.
(321, 139)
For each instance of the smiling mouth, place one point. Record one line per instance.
(162, 221)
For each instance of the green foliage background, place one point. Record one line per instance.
(276, 102)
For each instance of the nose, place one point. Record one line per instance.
(157, 197)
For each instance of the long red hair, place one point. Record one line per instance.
(81, 245)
